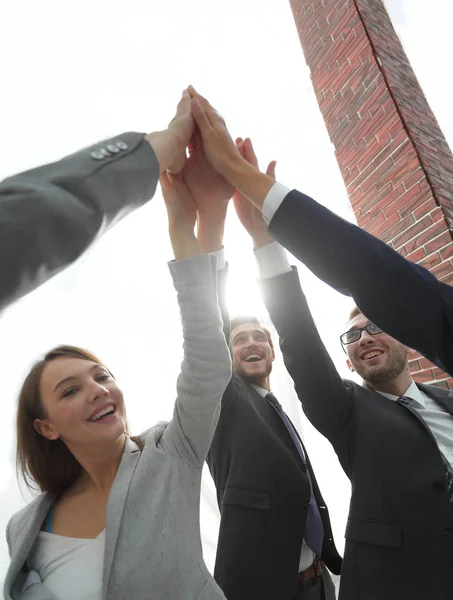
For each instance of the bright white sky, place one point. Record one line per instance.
(75, 73)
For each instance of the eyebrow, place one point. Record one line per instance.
(253, 331)
(74, 377)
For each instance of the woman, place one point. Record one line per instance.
(119, 516)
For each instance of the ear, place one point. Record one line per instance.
(46, 429)
(350, 367)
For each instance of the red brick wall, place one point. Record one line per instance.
(395, 161)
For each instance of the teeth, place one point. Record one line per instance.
(251, 357)
(371, 355)
(106, 411)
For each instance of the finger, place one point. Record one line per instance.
(184, 103)
(240, 147)
(271, 169)
(200, 116)
(249, 152)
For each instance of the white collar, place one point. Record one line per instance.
(261, 391)
(412, 392)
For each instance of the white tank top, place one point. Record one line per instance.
(70, 568)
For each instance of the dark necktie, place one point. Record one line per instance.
(314, 529)
(406, 401)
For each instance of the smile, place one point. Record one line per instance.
(372, 354)
(253, 358)
(102, 413)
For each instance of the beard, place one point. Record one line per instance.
(395, 365)
(253, 376)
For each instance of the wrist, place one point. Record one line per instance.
(210, 232)
(184, 243)
(259, 241)
(250, 181)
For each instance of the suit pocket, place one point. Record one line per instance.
(239, 496)
(375, 533)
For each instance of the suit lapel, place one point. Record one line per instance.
(115, 506)
(28, 537)
(439, 395)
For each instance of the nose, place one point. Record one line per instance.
(365, 338)
(97, 391)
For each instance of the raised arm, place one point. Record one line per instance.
(206, 367)
(404, 299)
(51, 214)
(320, 389)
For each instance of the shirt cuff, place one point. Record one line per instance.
(272, 201)
(220, 256)
(272, 261)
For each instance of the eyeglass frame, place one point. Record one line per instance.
(360, 330)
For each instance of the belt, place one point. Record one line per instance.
(310, 573)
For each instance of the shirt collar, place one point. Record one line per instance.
(261, 391)
(412, 392)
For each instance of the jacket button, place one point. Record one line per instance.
(122, 145)
(447, 533)
(306, 504)
(97, 155)
(112, 148)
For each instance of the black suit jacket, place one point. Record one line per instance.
(404, 299)
(263, 493)
(399, 537)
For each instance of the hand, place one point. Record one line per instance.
(250, 217)
(210, 193)
(219, 148)
(209, 190)
(182, 215)
(170, 145)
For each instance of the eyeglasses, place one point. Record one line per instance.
(353, 335)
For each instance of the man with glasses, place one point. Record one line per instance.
(394, 440)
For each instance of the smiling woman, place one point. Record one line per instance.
(51, 405)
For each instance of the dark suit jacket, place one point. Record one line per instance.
(404, 299)
(51, 214)
(263, 493)
(399, 537)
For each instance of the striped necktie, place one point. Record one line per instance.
(406, 401)
(314, 529)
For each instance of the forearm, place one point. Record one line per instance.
(249, 180)
(206, 367)
(318, 385)
(210, 231)
(401, 297)
(51, 214)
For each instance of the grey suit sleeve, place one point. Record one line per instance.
(51, 214)
(206, 367)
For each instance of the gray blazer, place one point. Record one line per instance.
(153, 546)
(51, 214)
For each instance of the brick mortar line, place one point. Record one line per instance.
(380, 66)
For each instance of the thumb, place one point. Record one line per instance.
(271, 169)
(200, 117)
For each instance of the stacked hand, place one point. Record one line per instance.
(207, 178)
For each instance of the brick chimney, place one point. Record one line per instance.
(395, 161)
